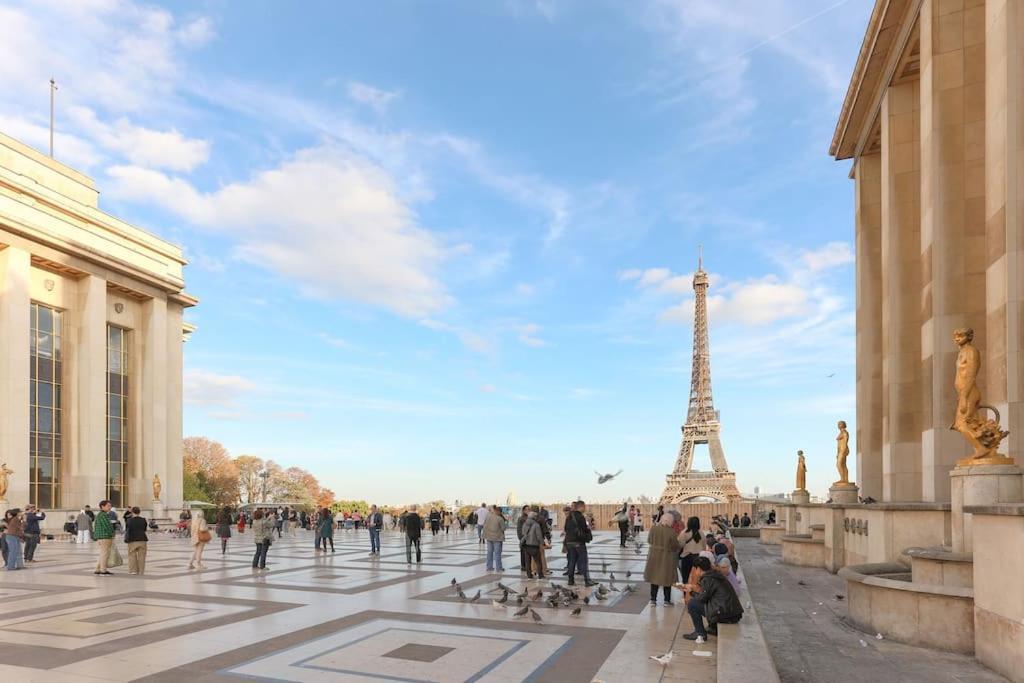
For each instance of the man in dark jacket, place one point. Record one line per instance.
(374, 523)
(577, 535)
(413, 526)
(136, 539)
(524, 559)
(32, 518)
(710, 595)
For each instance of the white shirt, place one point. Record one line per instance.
(481, 515)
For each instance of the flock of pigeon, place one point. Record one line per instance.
(559, 596)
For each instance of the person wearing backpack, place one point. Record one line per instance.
(577, 535)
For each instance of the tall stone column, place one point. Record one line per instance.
(15, 312)
(1004, 216)
(173, 462)
(868, 181)
(901, 293)
(85, 462)
(150, 451)
(952, 219)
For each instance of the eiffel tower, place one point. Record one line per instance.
(702, 426)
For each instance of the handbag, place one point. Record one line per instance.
(114, 558)
(205, 536)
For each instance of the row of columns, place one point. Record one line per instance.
(939, 246)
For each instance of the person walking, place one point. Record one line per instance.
(278, 521)
(103, 532)
(532, 543)
(325, 526)
(83, 526)
(224, 528)
(446, 521)
(435, 521)
(241, 522)
(374, 523)
(691, 542)
(622, 519)
(481, 517)
(14, 535)
(33, 516)
(524, 559)
(660, 569)
(263, 527)
(577, 535)
(137, 541)
(413, 527)
(494, 535)
(200, 537)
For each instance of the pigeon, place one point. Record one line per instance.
(600, 597)
(539, 595)
(475, 597)
(576, 612)
(586, 600)
(879, 636)
(519, 600)
(460, 593)
(454, 581)
(630, 589)
(504, 598)
(839, 596)
(503, 587)
(536, 617)
(613, 588)
(601, 589)
(637, 552)
(800, 583)
(628, 573)
(605, 478)
(663, 659)
(611, 576)
(522, 612)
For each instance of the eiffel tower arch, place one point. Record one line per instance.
(702, 425)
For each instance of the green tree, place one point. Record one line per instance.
(360, 506)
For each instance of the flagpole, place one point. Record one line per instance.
(53, 90)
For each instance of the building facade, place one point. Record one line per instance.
(91, 335)
(934, 123)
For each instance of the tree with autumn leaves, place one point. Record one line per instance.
(212, 475)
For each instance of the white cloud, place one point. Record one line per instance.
(205, 388)
(471, 340)
(197, 32)
(375, 98)
(142, 146)
(829, 256)
(357, 242)
(528, 335)
(753, 302)
(336, 342)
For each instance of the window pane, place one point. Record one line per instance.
(44, 445)
(113, 405)
(114, 451)
(114, 429)
(45, 323)
(58, 319)
(43, 497)
(44, 394)
(45, 470)
(44, 344)
(45, 371)
(44, 420)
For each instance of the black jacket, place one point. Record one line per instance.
(721, 604)
(413, 525)
(135, 529)
(576, 529)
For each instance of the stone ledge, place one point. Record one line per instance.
(743, 653)
(906, 507)
(802, 538)
(867, 574)
(1004, 509)
(939, 554)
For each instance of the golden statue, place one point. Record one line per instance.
(842, 452)
(157, 487)
(801, 472)
(5, 479)
(984, 435)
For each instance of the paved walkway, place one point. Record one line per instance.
(810, 640)
(342, 616)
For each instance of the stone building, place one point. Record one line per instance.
(91, 336)
(933, 122)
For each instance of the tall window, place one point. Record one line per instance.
(45, 445)
(117, 415)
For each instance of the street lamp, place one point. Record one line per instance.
(264, 475)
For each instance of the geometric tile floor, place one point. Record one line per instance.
(341, 616)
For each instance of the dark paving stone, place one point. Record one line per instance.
(107, 618)
(417, 652)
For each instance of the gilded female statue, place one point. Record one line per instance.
(5, 479)
(157, 487)
(801, 472)
(984, 435)
(842, 451)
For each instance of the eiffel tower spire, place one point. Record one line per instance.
(702, 426)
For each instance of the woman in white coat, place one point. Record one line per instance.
(200, 537)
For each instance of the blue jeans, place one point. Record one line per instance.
(260, 558)
(13, 552)
(494, 555)
(696, 609)
(480, 532)
(374, 540)
(578, 563)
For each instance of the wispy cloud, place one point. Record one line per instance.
(376, 98)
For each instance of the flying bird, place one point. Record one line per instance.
(536, 617)
(605, 478)
(522, 612)
(663, 659)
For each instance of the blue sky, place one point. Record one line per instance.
(445, 249)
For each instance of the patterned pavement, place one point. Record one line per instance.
(342, 616)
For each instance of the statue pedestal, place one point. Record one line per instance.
(801, 497)
(844, 493)
(159, 512)
(980, 485)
